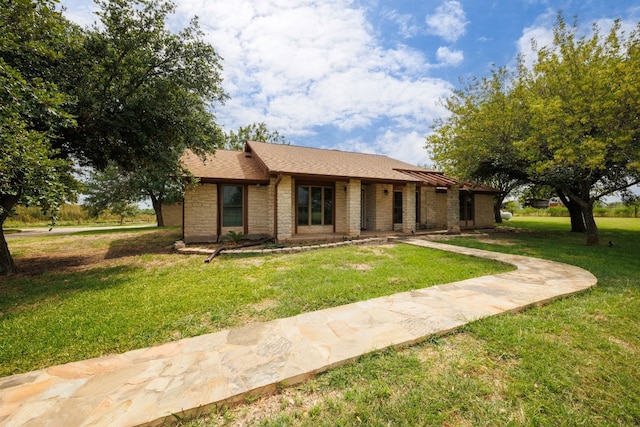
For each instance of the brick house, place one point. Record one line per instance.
(289, 191)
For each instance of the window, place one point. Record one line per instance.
(315, 205)
(397, 207)
(466, 207)
(232, 212)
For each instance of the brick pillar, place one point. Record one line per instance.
(429, 206)
(409, 208)
(353, 207)
(285, 217)
(453, 210)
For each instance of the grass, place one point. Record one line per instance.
(93, 293)
(572, 362)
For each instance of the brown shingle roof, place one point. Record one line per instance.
(259, 160)
(226, 165)
(306, 161)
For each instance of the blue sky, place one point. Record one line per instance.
(366, 75)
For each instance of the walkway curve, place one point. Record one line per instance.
(146, 386)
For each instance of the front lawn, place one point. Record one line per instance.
(94, 293)
(573, 362)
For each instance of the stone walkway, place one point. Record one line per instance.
(146, 386)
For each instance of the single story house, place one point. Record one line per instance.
(287, 191)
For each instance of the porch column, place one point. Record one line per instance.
(284, 208)
(353, 207)
(453, 210)
(429, 206)
(409, 208)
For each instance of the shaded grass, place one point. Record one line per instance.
(124, 293)
(572, 362)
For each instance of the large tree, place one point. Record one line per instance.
(144, 92)
(139, 93)
(571, 122)
(584, 96)
(32, 111)
(476, 141)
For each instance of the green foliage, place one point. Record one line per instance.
(143, 92)
(570, 122)
(253, 132)
(32, 113)
(235, 237)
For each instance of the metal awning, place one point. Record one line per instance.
(434, 178)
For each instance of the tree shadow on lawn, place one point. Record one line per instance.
(22, 291)
(88, 252)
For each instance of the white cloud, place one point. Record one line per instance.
(407, 26)
(404, 145)
(301, 64)
(448, 56)
(448, 22)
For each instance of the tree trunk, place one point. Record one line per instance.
(577, 218)
(593, 237)
(6, 260)
(575, 212)
(497, 203)
(157, 208)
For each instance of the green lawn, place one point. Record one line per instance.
(94, 293)
(574, 362)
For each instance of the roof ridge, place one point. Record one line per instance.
(331, 149)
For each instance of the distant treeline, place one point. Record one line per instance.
(73, 215)
(615, 210)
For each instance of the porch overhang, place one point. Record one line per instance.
(433, 178)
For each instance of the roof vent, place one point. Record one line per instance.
(247, 155)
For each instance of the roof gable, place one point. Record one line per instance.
(226, 165)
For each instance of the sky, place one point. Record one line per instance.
(366, 76)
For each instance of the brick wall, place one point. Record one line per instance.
(484, 211)
(341, 207)
(409, 208)
(286, 206)
(382, 219)
(260, 210)
(429, 207)
(200, 222)
(353, 200)
(172, 214)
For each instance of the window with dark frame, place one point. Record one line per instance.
(232, 209)
(466, 207)
(315, 205)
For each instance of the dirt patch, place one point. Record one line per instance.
(84, 251)
(361, 267)
(263, 305)
(496, 242)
